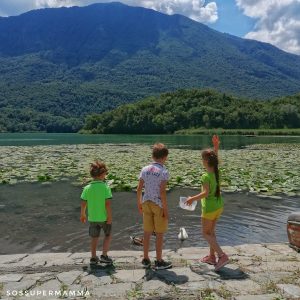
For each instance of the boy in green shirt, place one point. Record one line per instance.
(96, 197)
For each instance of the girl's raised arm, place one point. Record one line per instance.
(216, 142)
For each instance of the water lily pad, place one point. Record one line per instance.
(258, 169)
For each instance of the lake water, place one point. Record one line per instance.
(190, 141)
(35, 218)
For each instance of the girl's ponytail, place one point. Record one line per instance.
(216, 169)
(211, 157)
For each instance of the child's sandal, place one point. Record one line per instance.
(208, 259)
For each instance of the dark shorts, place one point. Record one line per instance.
(95, 229)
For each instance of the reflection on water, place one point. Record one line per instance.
(35, 218)
(194, 142)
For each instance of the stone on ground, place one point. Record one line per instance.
(290, 290)
(130, 275)
(258, 297)
(113, 291)
(10, 278)
(69, 277)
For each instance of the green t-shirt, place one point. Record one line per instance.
(211, 203)
(96, 194)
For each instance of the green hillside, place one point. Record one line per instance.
(186, 109)
(59, 65)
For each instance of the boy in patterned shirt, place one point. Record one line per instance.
(153, 205)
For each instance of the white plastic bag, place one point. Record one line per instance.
(187, 207)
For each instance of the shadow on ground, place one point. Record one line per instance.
(166, 276)
(225, 273)
(100, 270)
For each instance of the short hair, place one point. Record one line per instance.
(159, 151)
(98, 168)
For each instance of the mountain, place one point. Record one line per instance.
(59, 65)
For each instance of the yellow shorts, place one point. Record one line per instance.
(214, 215)
(153, 218)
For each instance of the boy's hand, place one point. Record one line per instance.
(216, 142)
(166, 214)
(109, 221)
(140, 208)
(83, 218)
(189, 201)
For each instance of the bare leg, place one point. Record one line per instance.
(94, 243)
(106, 244)
(207, 229)
(159, 245)
(211, 250)
(147, 236)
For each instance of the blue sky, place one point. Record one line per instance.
(273, 21)
(231, 19)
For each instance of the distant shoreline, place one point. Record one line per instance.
(192, 131)
(244, 132)
(200, 131)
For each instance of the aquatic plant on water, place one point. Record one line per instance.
(262, 169)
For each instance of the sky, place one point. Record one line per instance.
(272, 21)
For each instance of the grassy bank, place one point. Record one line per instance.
(254, 132)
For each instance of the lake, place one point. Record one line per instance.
(189, 141)
(37, 217)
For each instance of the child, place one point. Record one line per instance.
(96, 197)
(212, 204)
(153, 205)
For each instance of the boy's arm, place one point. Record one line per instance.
(108, 211)
(163, 197)
(82, 212)
(139, 195)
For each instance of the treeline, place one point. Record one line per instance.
(186, 109)
(22, 120)
(55, 106)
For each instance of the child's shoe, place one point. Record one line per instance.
(146, 263)
(209, 259)
(162, 265)
(105, 259)
(94, 260)
(223, 260)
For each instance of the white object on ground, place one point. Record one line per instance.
(182, 234)
(187, 207)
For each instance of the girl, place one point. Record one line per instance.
(212, 204)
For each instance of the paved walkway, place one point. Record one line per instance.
(258, 272)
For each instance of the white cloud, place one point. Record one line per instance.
(54, 3)
(278, 22)
(198, 10)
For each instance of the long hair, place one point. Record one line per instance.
(212, 160)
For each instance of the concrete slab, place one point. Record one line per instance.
(10, 278)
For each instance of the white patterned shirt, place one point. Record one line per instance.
(153, 175)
